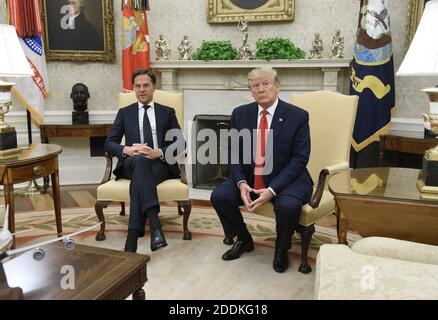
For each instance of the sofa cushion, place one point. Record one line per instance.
(344, 274)
(118, 191)
(397, 249)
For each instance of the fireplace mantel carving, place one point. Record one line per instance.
(295, 75)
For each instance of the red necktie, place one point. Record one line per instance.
(260, 152)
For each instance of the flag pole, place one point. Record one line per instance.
(32, 188)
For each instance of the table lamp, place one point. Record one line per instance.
(13, 63)
(422, 60)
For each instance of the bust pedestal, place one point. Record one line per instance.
(80, 117)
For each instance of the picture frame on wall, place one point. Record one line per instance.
(415, 11)
(78, 30)
(227, 11)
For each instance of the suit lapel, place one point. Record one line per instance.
(133, 114)
(252, 126)
(159, 122)
(274, 134)
(278, 120)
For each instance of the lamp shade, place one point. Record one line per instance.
(422, 56)
(13, 61)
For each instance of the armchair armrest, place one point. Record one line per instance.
(397, 249)
(180, 159)
(182, 169)
(108, 168)
(316, 196)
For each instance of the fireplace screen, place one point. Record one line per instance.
(210, 169)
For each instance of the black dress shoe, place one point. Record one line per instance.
(128, 250)
(228, 240)
(281, 260)
(238, 248)
(157, 240)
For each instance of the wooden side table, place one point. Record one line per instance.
(37, 161)
(414, 143)
(94, 273)
(69, 130)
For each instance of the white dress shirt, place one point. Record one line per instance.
(269, 115)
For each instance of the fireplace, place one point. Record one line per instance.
(208, 170)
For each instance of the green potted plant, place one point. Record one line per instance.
(277, 48)
(215, 50)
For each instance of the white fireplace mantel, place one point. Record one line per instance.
(295, 75)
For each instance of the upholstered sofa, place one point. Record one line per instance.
(377, 268)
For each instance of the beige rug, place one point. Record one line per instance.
(192, 269)
(202, 221)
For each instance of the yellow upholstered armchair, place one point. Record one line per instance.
(331, 117)
(170, 190)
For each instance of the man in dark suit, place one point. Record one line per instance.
(277, 173)
(147, 158)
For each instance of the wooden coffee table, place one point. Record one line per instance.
(384, 202)
(95, 273)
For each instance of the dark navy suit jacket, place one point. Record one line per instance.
(290, 137)
(126, 123)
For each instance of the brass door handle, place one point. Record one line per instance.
(38, 170)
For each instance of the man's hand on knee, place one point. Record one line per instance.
(245, 191)
(264, 196)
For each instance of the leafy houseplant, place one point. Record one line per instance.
(277, 48)
(215, 50)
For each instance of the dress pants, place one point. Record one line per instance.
(145, 174)
(226, 201)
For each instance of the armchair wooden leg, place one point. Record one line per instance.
(306, 235)
(122, 209)
(185, 208)
(99, 206)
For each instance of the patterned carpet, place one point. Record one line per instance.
(193, 270)
(32, 225)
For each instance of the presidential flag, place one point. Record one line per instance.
(25, 16)
(135, 39)
(372, 77)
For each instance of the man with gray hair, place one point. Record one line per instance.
(277, 170)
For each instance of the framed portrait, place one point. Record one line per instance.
(223, 11)
(415, 11)
(78, 30)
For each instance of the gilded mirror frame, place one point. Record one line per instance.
(415, 10)
(227, 11)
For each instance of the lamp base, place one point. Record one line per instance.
(80, 117)
(428, 180)
(430, 134)
(8, 140)
(427, 189)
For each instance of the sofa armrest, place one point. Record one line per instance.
(397, 249)
(324, 173)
